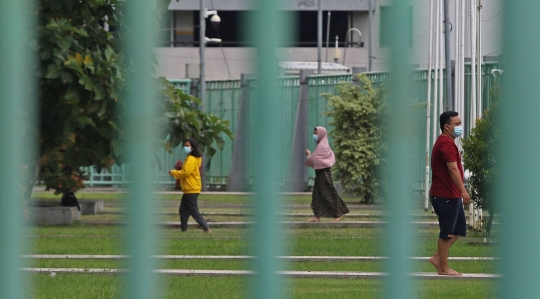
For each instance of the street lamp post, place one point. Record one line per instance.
(204, 13)
(370, 49)
(202, 42)
(202, 47)
(319, 37)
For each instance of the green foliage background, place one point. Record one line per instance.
(480, 150)
(358, 113)
(58, 176)
(82, 75)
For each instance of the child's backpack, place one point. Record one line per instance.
(69, 200)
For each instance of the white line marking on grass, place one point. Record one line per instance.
(293, 274)
(242, 257)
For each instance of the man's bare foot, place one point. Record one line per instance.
(449, 272)
(435, 262)
(337, 219)
(208, 231)
(313, 219)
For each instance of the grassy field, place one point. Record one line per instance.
(86, 286)
(79, 239)
(345, 241)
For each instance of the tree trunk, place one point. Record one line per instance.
(31, 178)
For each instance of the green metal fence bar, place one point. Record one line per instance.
(268, 27)
(118, 175)
(252, 84)
(286, 98)
(222, 100)
(141, 112)
(398, 242)
(182, 84)
(16, 85)
(377, 78)
(517, 186)
(288, 89)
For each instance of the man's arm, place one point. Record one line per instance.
(456, 178)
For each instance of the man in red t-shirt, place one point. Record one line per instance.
(448, 193)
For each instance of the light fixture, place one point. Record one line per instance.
(212, 40)
(215, 20)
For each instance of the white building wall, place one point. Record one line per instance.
(172, 61)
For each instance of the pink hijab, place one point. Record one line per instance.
(323, 156)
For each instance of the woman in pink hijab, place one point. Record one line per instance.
(325, 200)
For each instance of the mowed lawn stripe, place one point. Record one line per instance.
(88, 286)
(307, 242)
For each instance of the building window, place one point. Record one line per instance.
(232, 29)
(385, 32)
(305, 34)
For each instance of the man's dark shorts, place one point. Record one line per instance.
(451, 216)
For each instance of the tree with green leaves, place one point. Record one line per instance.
(82, 76)
(358, 133)
(480, 150)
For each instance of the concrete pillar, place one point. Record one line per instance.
(194, 89)
(297, 180)
(239, 176)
